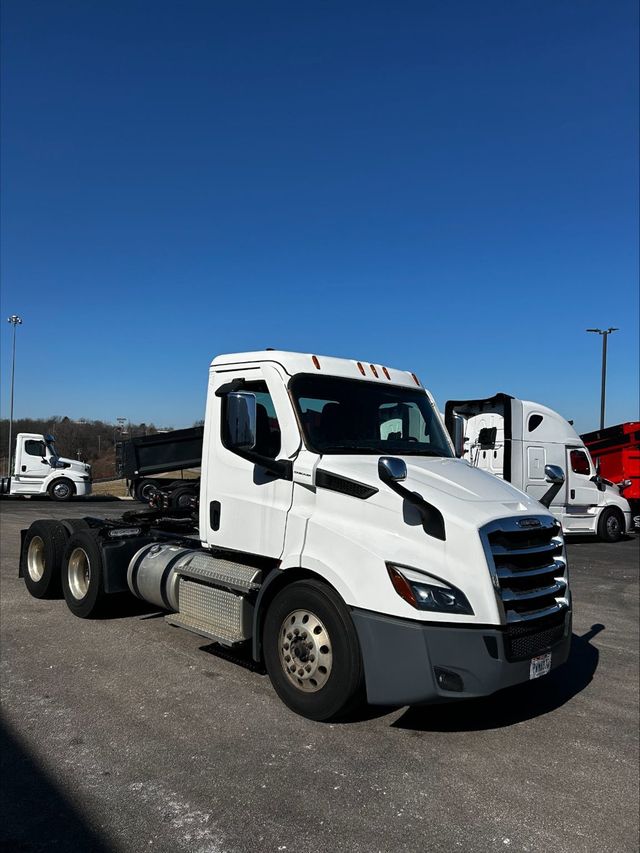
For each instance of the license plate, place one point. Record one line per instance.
(540, 665)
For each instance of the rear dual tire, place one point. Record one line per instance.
(41, 558)
(82, 575)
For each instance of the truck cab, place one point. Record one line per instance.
(338, 541)
(515, 439)
(39, 470)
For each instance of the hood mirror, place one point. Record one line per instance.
(555, 476)
(391, 469)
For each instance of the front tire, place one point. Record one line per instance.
(312, 653)
(611, 525)
(62, 489)
(82, 575)
(41, 558)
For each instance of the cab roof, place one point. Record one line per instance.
(324, 365)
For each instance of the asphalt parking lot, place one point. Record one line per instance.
(127, 734)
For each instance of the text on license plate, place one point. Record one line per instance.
(540, 665)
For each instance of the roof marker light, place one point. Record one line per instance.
(415, 379)
(386, 373)
(361, 368)
(373, 370)
(316, 363)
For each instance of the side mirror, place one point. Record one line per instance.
(555, 476)
(458, 435)
(241, 420)
(554, 473)
(391, 469)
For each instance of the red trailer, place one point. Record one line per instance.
(616, 451)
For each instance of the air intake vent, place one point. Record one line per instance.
(529, 571)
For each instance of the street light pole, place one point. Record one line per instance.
(15, 321)
(605, 334)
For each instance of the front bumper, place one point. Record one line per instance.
(401, 658)
(83, 488)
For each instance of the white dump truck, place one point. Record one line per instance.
(39, 470)
(515, 439)
(337, 540)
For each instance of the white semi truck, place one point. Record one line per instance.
(338, 539)
(39, 470)
(515, 439)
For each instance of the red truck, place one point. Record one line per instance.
(616, 452)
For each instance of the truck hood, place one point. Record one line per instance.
(73, 465)
(447, 483)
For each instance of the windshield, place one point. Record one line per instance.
(351, 416)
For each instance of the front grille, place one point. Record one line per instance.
(526, 639)
(529, 568)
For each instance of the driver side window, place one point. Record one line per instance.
(35, 448)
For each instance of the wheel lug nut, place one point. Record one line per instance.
(287, 658)
(301, 671)
(296, 631)
(312, 658)
(289, 636)
(286, 645)
(308, 668)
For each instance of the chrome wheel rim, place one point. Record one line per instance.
(61, 490)
(79, 573)
(306, 655)
(35, 559)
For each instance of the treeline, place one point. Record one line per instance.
(90, 441)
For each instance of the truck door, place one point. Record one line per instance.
(30, 454)
(248, 505)
(581, 491)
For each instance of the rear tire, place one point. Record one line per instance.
(82, 575)
(611, 525)
(181, 496)
(62, 489)
(144, 489)
(41, 558)
(317, 671)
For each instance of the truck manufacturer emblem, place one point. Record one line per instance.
(528, 522)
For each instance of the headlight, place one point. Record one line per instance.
(425, 592)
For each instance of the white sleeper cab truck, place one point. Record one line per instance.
(338, 539)
(38, 470)
(516, 440)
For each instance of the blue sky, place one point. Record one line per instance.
(450, 188)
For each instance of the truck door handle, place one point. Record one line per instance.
(214, 515)
(24, 468)
(573, 494)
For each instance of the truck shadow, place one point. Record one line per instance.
(36, 814)
(515, 704)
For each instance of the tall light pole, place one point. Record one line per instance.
(15, 322)
(605, 334)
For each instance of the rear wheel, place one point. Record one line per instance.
(144, 489)
(611, 525)
(312, 653)
(62, 489)
(82, 575)
(41, 558)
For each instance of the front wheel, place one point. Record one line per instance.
(312, 653)
(62, 489)
(611, 525)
